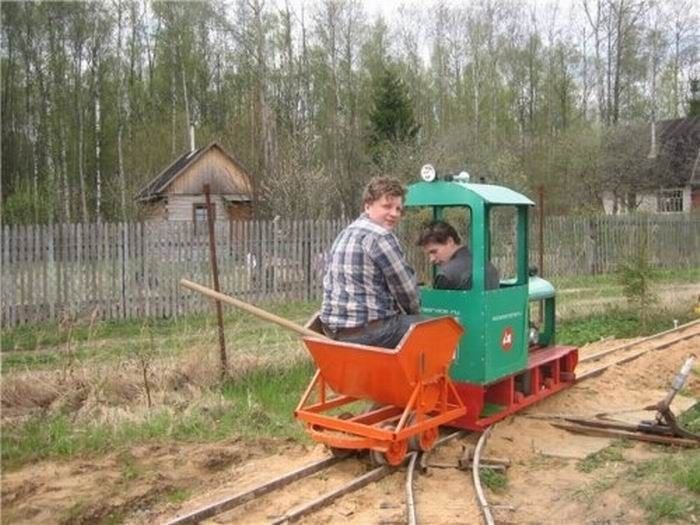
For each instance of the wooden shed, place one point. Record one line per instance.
(177, 193)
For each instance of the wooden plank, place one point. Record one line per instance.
(94, 268)
(22, 247)
(7, 276)
(41, 288)
(32, 265)
(103, 269)
(169, 268)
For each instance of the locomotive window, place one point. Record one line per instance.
(459, 217)
(504, 241)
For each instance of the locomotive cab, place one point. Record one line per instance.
(502, 362)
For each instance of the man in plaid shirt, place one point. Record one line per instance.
(370, 295)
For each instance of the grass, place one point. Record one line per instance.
(679, 475)
(177, 495)
(494, 480)
(611, 280)
(665, 506)
(258, 404)
(602, 458)
(48, 335)
(52, 346)
(690, 419)
(616, 322)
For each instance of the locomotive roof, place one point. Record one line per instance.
(443, 193)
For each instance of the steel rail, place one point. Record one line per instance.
(595, 371)
(323, 500)
(411, 515)
(361, 481)
(445, 439)
(245, 496)
(483, 504)
(624, 346)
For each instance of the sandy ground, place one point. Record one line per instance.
(152, 484)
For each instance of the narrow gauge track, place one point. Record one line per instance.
(597, 363)
(600, 361)
(228, 504)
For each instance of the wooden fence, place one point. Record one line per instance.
(127, 270)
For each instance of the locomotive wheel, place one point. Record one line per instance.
(423, 441)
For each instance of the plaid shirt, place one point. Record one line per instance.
(367, 277)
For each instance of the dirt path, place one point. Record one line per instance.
(152, 484)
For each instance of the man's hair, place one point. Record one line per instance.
(380, 186)
(438, 232)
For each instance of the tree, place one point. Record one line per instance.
(391, 117)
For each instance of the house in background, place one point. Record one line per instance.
(177, 193)
(655, 168)
(663, 171)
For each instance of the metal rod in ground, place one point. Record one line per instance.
(215, 278)
(322, 501)
(656, 430)
(678, 383)
(410, 502)
(255, 492)
(483, 504)
(649, 438)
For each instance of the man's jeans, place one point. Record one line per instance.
(386, 334)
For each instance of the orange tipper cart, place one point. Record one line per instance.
(384, 400)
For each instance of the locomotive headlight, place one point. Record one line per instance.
(427, 173)
(462, 176)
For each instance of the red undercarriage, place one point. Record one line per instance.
(549, 370)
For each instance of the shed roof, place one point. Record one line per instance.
(159, 184)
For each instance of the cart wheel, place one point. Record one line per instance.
(423, 441)
(340, 453)
(394, 456)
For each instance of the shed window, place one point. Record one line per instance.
(199, 216)
(669, 201)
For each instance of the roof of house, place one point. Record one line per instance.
(679, 151)
(157, 186)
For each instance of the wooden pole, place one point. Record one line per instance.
(215, 278)
(251, 309)
(540, 248)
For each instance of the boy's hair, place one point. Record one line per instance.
(438, 232)
(380, 186)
